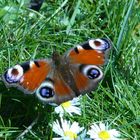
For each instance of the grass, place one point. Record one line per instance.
(25, 35)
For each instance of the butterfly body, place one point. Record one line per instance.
(64, 77)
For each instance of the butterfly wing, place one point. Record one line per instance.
(86, 61)
(27, 76)
(39, 77)
(51, 83)
(54, 89)
(94, 52)
(77, 74)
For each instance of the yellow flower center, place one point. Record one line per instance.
(70, 134)
(66, 104)
(104, 135)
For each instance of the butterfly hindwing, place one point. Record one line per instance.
(54, 89)
(87, 77)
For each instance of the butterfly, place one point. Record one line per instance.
(64, 77)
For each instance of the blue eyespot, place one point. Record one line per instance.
(107, 44)
(93, 73)
(46, 92)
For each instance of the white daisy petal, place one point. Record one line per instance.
(69, 107)
(92, 134)
(114, 132)
(96, 128)
(57, 128)
(74, 126)
(67, 131)
(102, 126)
(101, 132)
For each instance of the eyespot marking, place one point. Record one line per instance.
(107, 42)
(14, 74)
(91, 71)
(45, 91)
(99, 44)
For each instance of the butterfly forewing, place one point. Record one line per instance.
(92, 52)
(27, 76)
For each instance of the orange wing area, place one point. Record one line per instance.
(87, 57)
(35, 76)
(81, 81)
(61, 88)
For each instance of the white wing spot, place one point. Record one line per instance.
(31, 64)
(79, 47)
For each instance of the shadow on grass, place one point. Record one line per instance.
(22, 109)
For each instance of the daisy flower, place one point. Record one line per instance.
(69, 107)
(67, 131)
(102, 132)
